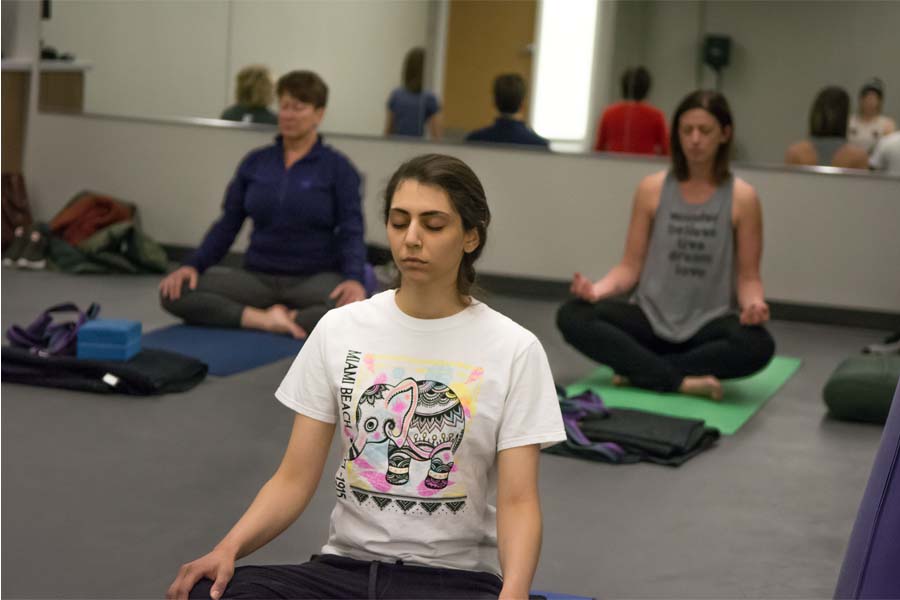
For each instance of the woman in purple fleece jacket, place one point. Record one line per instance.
(306, 252)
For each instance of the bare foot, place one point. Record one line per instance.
(281, 320)
(276, 319)
(621, 381)
(706, 386)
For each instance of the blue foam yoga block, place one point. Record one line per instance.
(109, 339)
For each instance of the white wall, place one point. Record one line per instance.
(180, 58)
(356, 46)
(783, 52)
(150, 58)
(830, 240)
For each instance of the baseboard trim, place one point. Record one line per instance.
(556, 289)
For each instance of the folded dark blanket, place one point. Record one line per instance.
(149, 372)
(643, 436)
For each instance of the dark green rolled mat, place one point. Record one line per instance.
(862, 387)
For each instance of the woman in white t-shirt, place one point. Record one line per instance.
(869, 125)
(442, 406)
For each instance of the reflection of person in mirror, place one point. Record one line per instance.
(693, 248)
(633, 125)
(410, 108)
(509, 127)
(254, 92)
(868, 125)
(440, 405)
(886, 156)
(306, 251)
(827, 143)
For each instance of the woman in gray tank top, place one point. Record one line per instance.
(693, 305)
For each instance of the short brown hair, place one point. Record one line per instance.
(715, 104)
(305, 86)
(509, 93)
(459, 182)
(254, 86)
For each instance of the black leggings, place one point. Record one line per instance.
(335, 577)
(619, 335)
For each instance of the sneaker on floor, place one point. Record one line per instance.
(34, 255)
(17, 248)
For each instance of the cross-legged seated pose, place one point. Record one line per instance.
(441, 405)
(691, 264)
(306, 251)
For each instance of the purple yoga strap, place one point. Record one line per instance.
(46, 338)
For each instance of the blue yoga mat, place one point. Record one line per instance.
(226, 351)
(555, 596)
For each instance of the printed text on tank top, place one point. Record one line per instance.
(701, 193)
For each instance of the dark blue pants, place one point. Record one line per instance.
(334, 577)
(618, 334)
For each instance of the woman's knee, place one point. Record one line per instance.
(571, 317)
(173, 306)
(201, 589)
(759, 346)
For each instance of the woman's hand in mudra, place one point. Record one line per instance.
(755, 313)
(584, 288)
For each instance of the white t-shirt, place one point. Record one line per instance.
(886, 156)
(866, 134)
(442, 397)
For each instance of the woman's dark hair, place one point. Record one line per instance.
(635, 83)
(829, 113)
(413, 70)
(509, 93)
(462, 186)
(715, 104)
(305, 86)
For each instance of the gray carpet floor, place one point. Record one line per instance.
(105, 496)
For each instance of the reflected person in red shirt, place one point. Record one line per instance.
(632, 125)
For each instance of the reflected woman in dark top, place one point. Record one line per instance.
(254, 93)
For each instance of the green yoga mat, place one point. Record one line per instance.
(741, 397)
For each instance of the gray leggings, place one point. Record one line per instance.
(221, 296)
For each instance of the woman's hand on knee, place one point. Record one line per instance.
(755, 313)
(217, 566)
(170, 286)
(348, 291)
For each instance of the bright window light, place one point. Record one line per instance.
(565, 62)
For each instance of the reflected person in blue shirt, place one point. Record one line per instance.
(411, 108)
(306, 252)
(509, 128)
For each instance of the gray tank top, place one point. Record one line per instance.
(688, 275)
(826, 148)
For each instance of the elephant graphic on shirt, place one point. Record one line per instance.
(420, 420)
